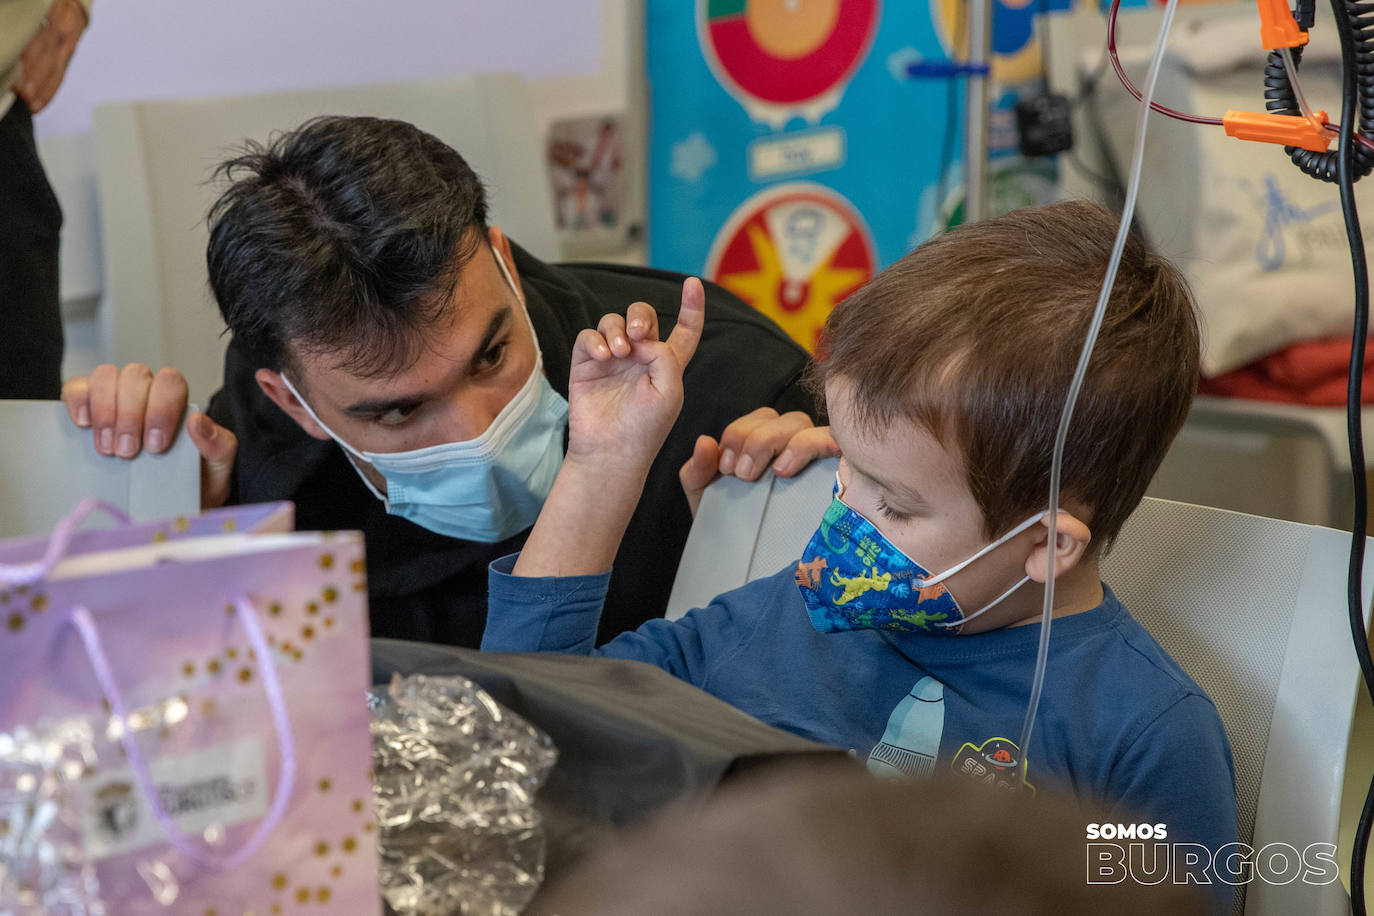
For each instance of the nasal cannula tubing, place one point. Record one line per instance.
(1061, 437)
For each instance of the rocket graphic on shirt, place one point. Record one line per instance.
(911, 741)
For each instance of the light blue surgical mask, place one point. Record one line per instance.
(484, 489)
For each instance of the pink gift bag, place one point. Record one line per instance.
(183, 720)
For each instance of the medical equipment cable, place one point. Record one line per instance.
(1109, 185)
(1126, 80)
(1283, 95)
(1086, 90)
(1350, 161)
(1061, 436)
(1345, 167)
(1367, 71)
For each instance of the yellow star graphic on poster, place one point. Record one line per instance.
(793, 252)
(807, 305)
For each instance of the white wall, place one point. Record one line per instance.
(148, 49)
(580, 56)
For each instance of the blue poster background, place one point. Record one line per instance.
(896, 133)
(892, 131)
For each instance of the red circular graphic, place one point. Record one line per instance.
(785, 52)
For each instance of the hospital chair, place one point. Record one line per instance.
(1253, 608)
(48, 465)
(155, 159)
(1279, 460)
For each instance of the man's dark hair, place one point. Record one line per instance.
(343, 236)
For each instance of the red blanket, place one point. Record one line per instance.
(1311, 372)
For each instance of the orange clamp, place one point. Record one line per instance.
(1278, 29)
(1288, 130)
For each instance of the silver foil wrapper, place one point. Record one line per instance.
(456, 776)
(46, 865)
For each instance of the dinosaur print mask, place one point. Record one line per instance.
(853, 578)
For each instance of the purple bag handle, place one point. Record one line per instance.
(84, 621)
(30, 573)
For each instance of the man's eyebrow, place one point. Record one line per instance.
(376, 406)
(385, 405)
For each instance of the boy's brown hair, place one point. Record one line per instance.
(975, 336)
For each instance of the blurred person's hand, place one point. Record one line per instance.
(132, 409)
(44, 59)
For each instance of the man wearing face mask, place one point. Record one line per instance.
(400, 367)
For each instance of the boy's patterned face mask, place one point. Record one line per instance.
(853, 578)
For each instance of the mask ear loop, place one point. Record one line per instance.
(935, 580)
(924, 583)
(510, 279)
(524, 305)
(353, 452)
(987, 607)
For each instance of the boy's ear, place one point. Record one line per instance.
(1071, 542)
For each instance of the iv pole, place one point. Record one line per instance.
(976, 110)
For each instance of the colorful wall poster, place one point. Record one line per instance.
(586, 171)
(790, 154)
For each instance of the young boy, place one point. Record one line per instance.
(908, 631)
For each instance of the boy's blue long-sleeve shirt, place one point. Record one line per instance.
(1120, 724)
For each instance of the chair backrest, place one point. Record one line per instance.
(743, 531)
(155, 158)
(1252, 608)
(48, 465)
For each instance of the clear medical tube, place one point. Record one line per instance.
(1061, 437)
(1296, 84)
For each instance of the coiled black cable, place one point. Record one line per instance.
(1280, 99)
